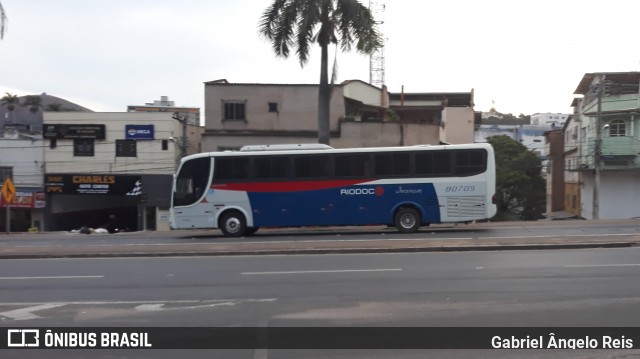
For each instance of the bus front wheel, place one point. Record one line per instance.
(233, 224)
(407, 220)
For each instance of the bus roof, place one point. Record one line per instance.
(282, 151)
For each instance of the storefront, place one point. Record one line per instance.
(82, 200)
(25, 211)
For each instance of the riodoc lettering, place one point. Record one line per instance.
(357, 191)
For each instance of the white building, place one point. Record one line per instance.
(555, 120)
(101, 164)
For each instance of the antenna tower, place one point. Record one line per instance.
(376, 59)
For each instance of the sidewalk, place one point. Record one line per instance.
(315, 241)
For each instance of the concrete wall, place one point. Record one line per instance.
(26, 158)
(297, 107)
(458, 125)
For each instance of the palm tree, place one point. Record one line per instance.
(3, 21)
(10, 100)
(299, 23)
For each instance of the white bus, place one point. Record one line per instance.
(316, 185)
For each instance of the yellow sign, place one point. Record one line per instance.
(8, 191)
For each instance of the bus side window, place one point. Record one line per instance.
(277, 167)
(442, 163)
(424, 163)
(470, 162)
(303, 167)
(361, 165)
(321, 166)
(342, 166)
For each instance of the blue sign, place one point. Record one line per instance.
(139, 132)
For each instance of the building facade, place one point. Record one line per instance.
(609, 144)
(190, 136)
(361, 115)
(22, 160)
(571, 157)
(98, 165)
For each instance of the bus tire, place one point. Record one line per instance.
(233, 224)
(251, 231)
(407, 220)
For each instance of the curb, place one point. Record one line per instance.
(250, 252)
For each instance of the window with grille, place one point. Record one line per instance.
(617, 128)
(234, 111)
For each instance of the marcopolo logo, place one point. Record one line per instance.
(367, 191)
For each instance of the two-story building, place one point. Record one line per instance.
(609, 149)
(101, 164)
(361, 115)
(21, 159)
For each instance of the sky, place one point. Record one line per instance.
(521, 57)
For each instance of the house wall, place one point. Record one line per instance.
(458, 125)
(367, 94)
(297, 107)
(26, 158)
(420, 134)
(555, 171)
(572, 198)
(296, 120)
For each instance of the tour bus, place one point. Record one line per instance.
(317, 185)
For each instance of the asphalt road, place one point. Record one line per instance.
(595, 287)
(563, 287)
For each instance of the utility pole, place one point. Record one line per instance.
(597, 154)
(184, 144)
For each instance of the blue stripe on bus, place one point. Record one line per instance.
(352, 205)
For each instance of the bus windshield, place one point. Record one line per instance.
(191, 181)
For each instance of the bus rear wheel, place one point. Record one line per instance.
(233, 224)
(407, 220)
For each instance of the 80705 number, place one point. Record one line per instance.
(450, 189)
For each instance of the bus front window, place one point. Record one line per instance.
(191, 181)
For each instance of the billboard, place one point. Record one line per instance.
(139, 132)
(116, 185)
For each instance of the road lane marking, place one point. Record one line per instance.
(27, 313)
(54, 277)
(325, 271)
(601, 265)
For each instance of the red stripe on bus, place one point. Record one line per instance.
(285, 186)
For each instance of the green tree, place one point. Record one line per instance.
(34, 102)
(299, 23)
(10, 100)
(520, 187)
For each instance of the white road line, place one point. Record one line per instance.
(601, 265)
(54, 277)
(139, 302)
(324, 271)
(27, 313)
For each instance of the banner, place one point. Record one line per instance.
(26, 199)
(117, 185)
(575, 338)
